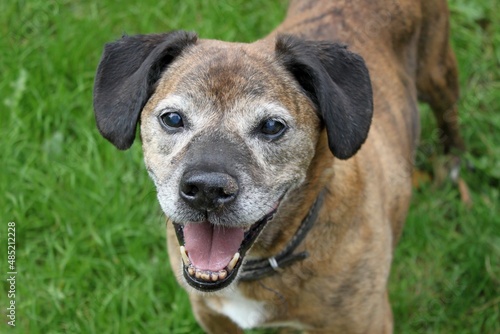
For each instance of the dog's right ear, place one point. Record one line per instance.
(126, 78)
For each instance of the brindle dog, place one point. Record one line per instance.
(302, 141)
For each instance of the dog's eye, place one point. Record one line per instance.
(272, 128)
(172, 120)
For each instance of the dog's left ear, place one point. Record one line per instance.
(126, 78)
(338, 83)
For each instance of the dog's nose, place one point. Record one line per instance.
(208, 190)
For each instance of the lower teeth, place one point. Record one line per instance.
(208, 275)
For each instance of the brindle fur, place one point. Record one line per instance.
(342, 286)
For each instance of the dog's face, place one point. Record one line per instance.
(228, 131)
(226, 134)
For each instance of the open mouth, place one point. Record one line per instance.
(213, 254)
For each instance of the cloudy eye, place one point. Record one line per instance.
(272, 129)
(172, 120)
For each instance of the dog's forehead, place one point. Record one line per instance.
(215, 62)
(224, 73)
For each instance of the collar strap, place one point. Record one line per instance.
(257, 269)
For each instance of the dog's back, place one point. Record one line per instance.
(405, 45)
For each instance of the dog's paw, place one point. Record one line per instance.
(448, 168)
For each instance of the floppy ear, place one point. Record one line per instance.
(126, 78)
(338, 83)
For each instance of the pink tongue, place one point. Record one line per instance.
(211, 247)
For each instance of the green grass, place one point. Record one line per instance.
(90, 235)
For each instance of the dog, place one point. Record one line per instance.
(284, 166)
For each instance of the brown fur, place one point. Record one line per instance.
(342, 287)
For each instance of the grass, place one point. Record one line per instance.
(90, 234)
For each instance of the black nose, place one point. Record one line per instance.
(208, 190)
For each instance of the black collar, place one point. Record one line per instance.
(256, 269)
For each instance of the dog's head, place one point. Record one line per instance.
(228, 130)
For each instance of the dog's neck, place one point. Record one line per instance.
(257, 269)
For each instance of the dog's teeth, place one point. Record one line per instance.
(222, 274)
(185, 257)
(205, 276)
(191, 271)
(198, 273)
(233, 261)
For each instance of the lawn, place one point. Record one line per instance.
(90, 245)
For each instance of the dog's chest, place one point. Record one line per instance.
(246, 313)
